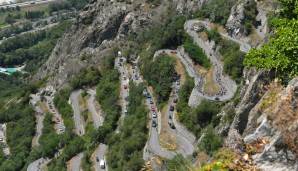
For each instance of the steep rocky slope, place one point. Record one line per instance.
(100, 27)
(266, 115)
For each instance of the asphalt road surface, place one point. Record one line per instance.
(124, 89)
(3, 142)
(99, 154)
(59, 124)
(97, 113)
(75, 163)
(40, 115)
(38, 165)
(78, 119)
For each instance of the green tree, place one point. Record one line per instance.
(210, 142)
(280, 53)
(9, 19)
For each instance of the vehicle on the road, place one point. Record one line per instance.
(172, 108)
(145, 92)
(175, 100)
(171, 124)
(148, 96)
(102, 164)
(154, 115)
(217, 98)
(154, 124)
(97, 159)
(125, 86)
(151, 101)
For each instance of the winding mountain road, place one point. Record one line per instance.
(98, 155)
(39, 115)
(75, 163)
(3, 140)
(124, 89)
(78, 120)
(97, 113)
(38, 165)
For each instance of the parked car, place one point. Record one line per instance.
(102, 164)
(175, 100)
(172, 108)
(151, 101)
(154, 124)
(154, 115)
(171, 124)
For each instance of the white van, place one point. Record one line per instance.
(102, 164)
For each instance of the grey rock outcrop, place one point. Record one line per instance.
(273, 120)
(236, 21)
(100, 26)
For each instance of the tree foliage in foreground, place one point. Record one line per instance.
(281, 52)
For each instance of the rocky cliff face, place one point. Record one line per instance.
(101, 26)
(267, 121)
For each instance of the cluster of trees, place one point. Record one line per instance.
(230, 51)
(49, 140)
(280, 53)
(10, 86)
(74, 146)
(107, 92)
(178, 163)
(34, 14)
(61, 102)
(196, 53)
(213, 35)
(22, 41)
(217, 11)
(9, 9)
(126, 149)
(211, 141)
(169, 34)
(11, 18)
(154, 2)
(20, 130)
(31, 48)
(160, 75)
(250, 14)
(87, 77)
(67, 5)
(15, 30)
(195, 119)
(232, 58)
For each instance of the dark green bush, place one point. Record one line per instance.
(210, 142)
(159, 74)
(217, 11)
(196, 53)
(126, 149)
